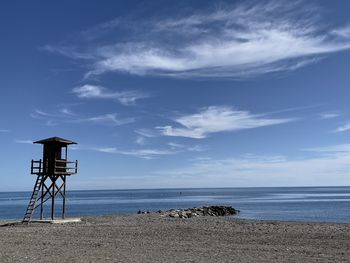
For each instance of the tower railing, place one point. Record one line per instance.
(61, 167)
(37, 167)
(64, 167)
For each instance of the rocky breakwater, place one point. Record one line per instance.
(202, 211)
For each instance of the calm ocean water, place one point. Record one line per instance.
(320, 204)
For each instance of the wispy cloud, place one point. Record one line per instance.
(182, 147)
(107, 119)
(39, 114)
(343, 128)
(175, 145)
(24, 141)
(67, 116)
(66, 111)
(50, 119)
(264, 171)
(217, 119)
(141, 153)
(147, 133)
(97, 92)
(68, 51)
(339, 148)
(241, 41)
(242, 171)
(329, 115)
(4, 130)
(147, 153)
(342, 32)
(140, 140)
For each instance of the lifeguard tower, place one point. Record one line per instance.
(51, 171)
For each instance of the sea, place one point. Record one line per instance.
(307, 204)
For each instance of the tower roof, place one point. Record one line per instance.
(55, 139)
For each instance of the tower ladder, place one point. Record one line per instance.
(31, 206)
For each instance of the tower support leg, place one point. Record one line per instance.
(64, 198)
(42, 202)
(53, 198)
(45, 188)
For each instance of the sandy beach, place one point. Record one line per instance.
(151, 238)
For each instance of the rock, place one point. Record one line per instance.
(143, 212)
(174, 214)
(204, 211)
(196, 212)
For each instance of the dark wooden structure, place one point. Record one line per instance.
(51, 171)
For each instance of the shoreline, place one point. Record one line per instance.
(152, 238)
(140, 212)
(233, 217)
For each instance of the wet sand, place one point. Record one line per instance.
(151, 238)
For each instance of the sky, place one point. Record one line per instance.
(177, 94)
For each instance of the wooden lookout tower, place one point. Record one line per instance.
(51, 171)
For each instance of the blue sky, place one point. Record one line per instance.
(163, 94)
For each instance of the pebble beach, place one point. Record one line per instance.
(155, 238)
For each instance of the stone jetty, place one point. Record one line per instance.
(196, 212)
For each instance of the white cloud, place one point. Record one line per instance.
(63, 113)
(178, 146)
(141, 153)
(97, 92)
(217, 119)
(342, 32)
(244, 171)
(343, 128)
(245, 40)
(329, 115)
(107, 119)
(140, 140)
(24, 141)
(147, 133)
(67, 116)
(4, 130)
(147, 153)
(327, 170)
(66, 111)
(68, 51)
(339, 148)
